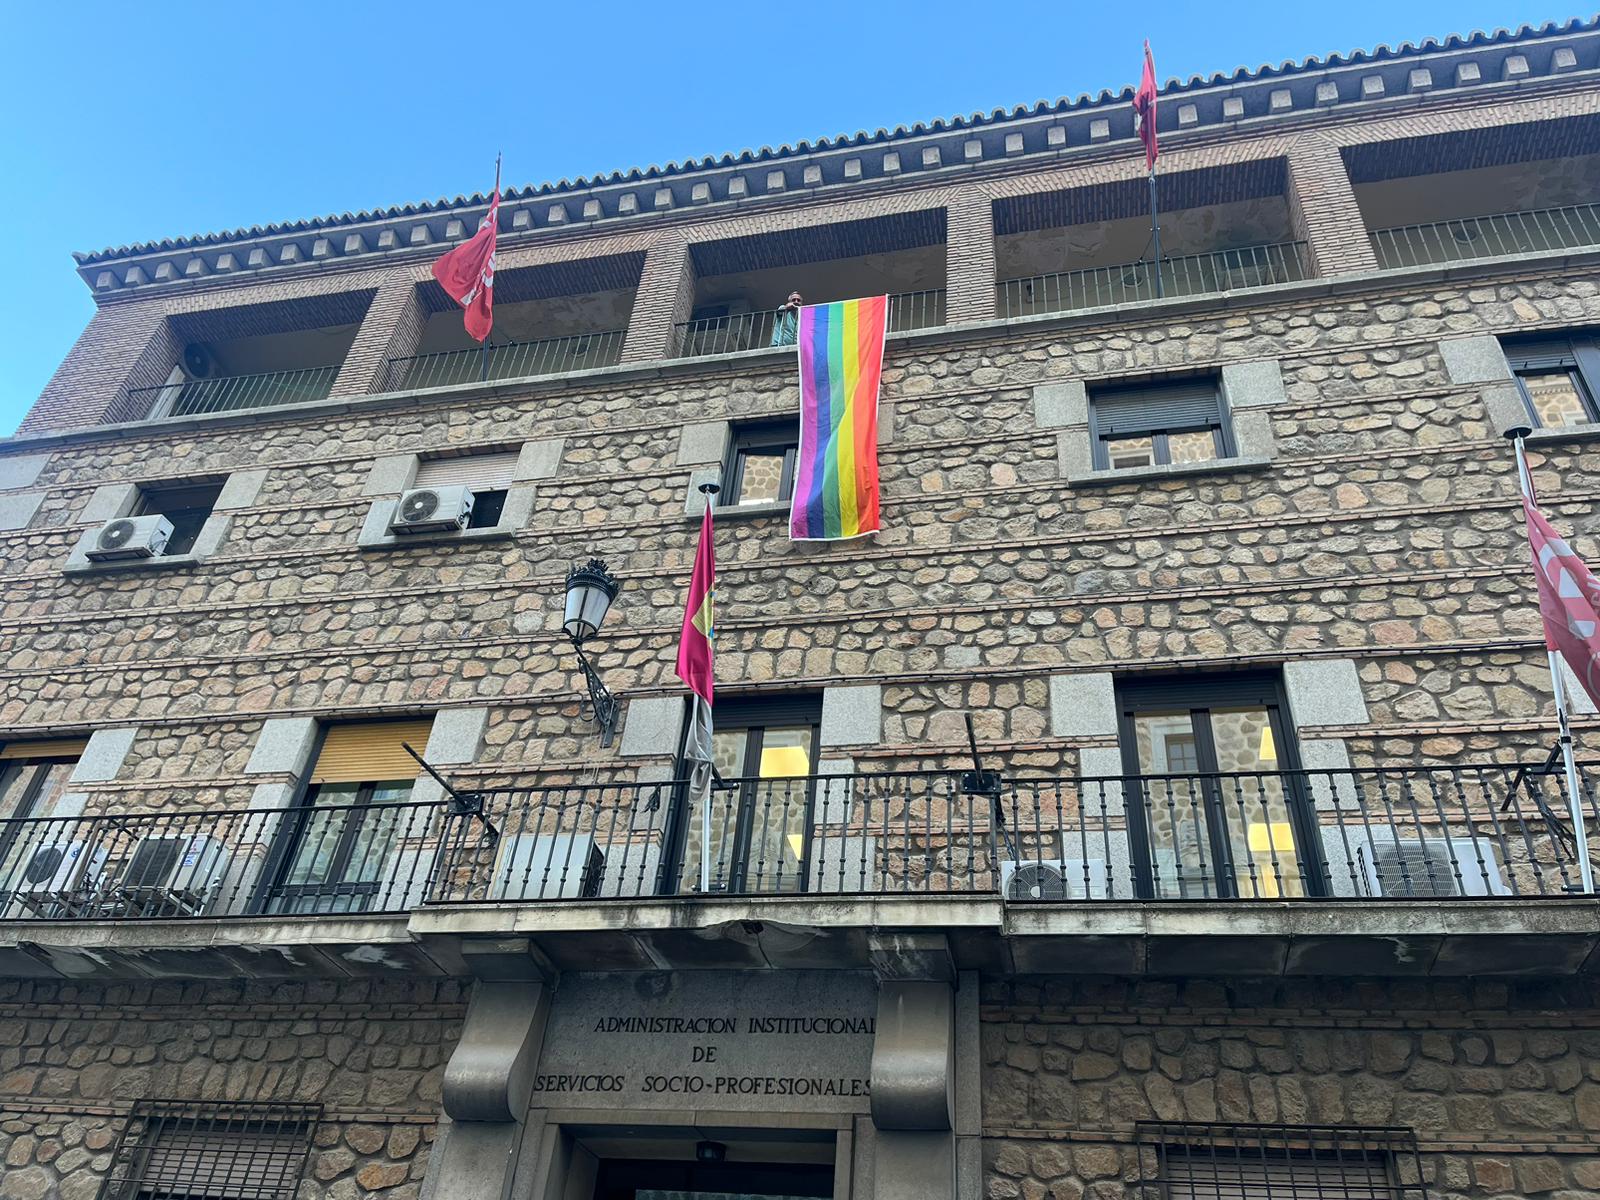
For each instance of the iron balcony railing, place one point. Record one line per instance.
(509, 360)
(1532, 232)
(1183, 275)
(1467, 832)
(757, 330)
(231, 393)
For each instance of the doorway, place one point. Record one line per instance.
(1214, 809)
(668, 1179)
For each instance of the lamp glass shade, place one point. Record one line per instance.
(590, 591)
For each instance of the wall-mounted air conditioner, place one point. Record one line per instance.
(55, 869)
(131, 537)
(1053, 879)
(174, 874)
(1402, 867)
(429, 509)
(551, 866)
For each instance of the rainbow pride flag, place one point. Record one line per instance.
(836, 465)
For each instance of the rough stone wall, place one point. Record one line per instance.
(1500, 1081)
(75, 1057)
(1387, 532)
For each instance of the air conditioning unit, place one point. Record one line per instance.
(1053, 879)
(57, 868)
(131, 537)
(1414, 867)
(198, 362)
(422, 510)
(556, 866)
(174, 874)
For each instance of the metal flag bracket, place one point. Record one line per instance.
(463, 804)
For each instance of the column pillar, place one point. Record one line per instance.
(391, 328)
(664, 301)
(925, 1115)
(488, 1082)
(969, 258)
(1322, 205)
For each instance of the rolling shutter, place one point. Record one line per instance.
(55, 748)
(486, 472)
(1545, 354)
(1192, 404)
(371, 751)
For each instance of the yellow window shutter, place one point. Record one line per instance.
(53, 748)
(370, 751)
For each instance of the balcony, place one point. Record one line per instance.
(193, 397)
(1464, 833)
(1126, 283)
(1570, 227)
(510, 360)
(754, 330)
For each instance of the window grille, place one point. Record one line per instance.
(192, 1150)
(1195, 1161)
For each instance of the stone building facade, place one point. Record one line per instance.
(1230, 691)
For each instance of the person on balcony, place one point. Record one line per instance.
(787, 327)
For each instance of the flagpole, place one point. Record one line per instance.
(1155, 228)
(1563, 725)
(483, 346)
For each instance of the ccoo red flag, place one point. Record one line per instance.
(467, 272)
(1569, 600)
(1144, 107)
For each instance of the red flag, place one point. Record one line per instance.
(467, 272)
(1569, 600)
(694, 646)
(1144, 107)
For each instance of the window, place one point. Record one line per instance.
(765, 752)
(1156, 424)
(1214, 813)
(177, 1150)
(760, 468)
(488, 475)
(1279, 1162)
(340, 852)
(37, 859)
(186, 505)
(1558, 376)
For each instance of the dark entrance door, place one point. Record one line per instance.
(647, 1179)
(1213, 813)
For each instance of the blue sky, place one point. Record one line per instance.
(131, 122)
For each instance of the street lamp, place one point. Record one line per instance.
(590, 591)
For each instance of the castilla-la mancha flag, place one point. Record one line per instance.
(467, 272)
(695, 669)
(1569, 600)
(1144, 107)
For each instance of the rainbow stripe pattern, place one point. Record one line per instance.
(836, 464)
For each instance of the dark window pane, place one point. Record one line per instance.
(186, 506)
(486, 509)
